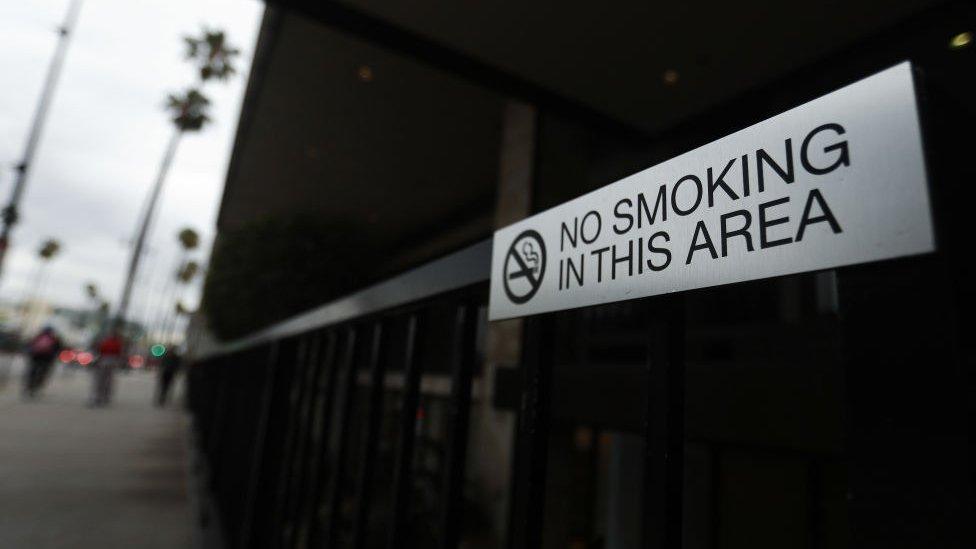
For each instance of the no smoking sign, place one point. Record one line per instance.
(837, 181)
(525, 267)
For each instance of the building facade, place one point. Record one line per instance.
(829, 407)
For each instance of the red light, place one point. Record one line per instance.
(85, 358)
(66, 356)
(136, 361)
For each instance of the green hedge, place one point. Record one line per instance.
(276, 268)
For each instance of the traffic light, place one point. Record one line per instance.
(157, 350)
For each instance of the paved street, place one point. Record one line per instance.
(76, 477)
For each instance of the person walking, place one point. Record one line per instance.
(168, 368)
(110, 352)
(41, 351)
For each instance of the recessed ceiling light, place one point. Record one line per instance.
(670, 77)
(365, 73)
(961, 40)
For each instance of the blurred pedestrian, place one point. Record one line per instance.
(41, 351)
(168, 368)
(110, 351)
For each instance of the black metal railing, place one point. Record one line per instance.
(289, 420)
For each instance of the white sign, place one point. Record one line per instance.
(837, 181)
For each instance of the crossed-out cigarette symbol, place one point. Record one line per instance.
(525, 266)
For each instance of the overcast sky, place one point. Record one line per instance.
(105, 136)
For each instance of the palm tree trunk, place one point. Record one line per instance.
(149, 279)
(160, 311)
(158, 295)
(163, 307)
(32, 296)
(168, 329)
(144, 227)
(173, 318)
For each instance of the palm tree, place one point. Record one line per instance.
(188, 110)
(188, 272)
(189, 240)
(49, 249)
(188, 113)
(214, 58)
(184, 276)
(99, 306)
(91, 291)
(212, 54)
(179, 310)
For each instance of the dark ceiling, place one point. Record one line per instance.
(616, 56)
(362, 138)
(408, 152)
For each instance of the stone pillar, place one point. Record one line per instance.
(493, 430)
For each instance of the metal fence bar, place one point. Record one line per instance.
(295, 393)
(329, 530)
(462, 268)
(290, 490)
(373, 421)
(318, 474)
(275, 444)
(403, 465)
(216, 418)
(236, 432)
(664, 425)
(529, 486)
(463, 356)
(257, 455)
(300, 431)
(308, 451)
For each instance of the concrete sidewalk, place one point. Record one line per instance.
(76, 477)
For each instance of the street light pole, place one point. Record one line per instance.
(10, 214)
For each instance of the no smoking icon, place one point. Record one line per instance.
(525, 267)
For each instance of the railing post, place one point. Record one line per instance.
(321, 428)
(217, 418)
(257, 454)
(403, 464)
(305, 368)
(664, 423)
(288, 487)
(305, 481)
(463, 356)
(329, 530)
(375, 417)
(529, 486)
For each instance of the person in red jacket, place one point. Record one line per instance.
(110, 351)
